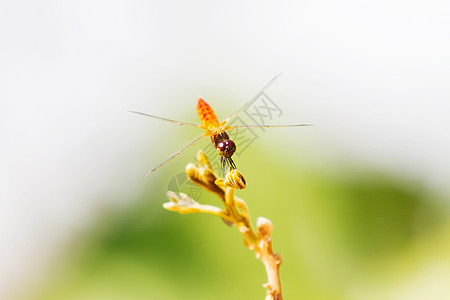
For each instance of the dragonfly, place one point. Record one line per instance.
(215, 130)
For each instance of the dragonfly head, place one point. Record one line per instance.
(226, 148)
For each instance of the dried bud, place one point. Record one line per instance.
(182, 199)
(203, 161)
(208, 176)
(235, 179)
(191, 171)
(173, 197)
(265, 227)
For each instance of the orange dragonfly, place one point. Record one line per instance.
(216, 131)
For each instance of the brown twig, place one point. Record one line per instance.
(235, 214)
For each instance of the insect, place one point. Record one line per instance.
(216, 131)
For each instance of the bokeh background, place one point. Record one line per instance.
(360, 201)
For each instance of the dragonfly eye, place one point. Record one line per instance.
(226, 148)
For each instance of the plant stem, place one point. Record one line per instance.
(235, 213)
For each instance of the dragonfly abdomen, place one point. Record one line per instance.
(207, 115)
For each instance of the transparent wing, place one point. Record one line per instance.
(165, 119)
(183, 148)
(264, 126)
(251, 100)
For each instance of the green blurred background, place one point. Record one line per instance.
(359, 202)
(345, 232)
